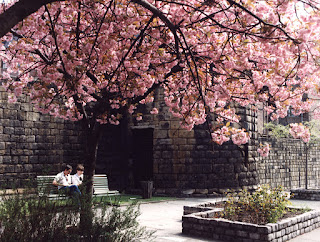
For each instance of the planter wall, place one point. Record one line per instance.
(203, 224)
(306, 194)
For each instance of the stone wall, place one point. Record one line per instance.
(286, 164)
(32, 143)
(189, 160)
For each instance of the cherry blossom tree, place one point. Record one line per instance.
(96, 60)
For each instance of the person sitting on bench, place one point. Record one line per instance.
(63, 181)
(77, 178)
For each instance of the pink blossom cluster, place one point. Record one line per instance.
(96, 58)
(299, 131)
(238, 136)
(264, 150)
(154, 111)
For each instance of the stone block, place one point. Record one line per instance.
(247, 240)
(10, 114)
(254, 236)
(32, 116)
(45, 118)
(6, 159)
(201, 191)
(161, 134)
(178, 169)
(167, 155)
(8, 130)
(186, 133)
(191, 141)
(271, 236)
(225, 224)
(264, 229)
(164, 142)
(278, 234)
(33, 159)
(185, 147)
(283, 224)
(243, 234)
(9, 168)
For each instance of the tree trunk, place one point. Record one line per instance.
(93, 136)
(86, 214)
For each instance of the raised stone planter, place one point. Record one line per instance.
(306, 194)
(199, 221)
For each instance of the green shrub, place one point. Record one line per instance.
(31, 218)
(263, 206)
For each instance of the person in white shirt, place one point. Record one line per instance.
(64, 183)
(77, 178)
(63, 179)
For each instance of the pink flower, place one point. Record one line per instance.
(131, 109)
(299, 131)
(240, 137)
(264, 150)
(154, 111)
(220, 136)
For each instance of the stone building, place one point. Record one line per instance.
(155, 148)
(175, 159)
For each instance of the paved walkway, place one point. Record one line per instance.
(165, 219)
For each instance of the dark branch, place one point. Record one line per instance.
(43, 57)
(19, 11)
(92, 77)
(158, 13)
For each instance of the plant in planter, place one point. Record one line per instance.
(263, 215)
(265, 205)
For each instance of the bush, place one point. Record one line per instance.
(263, 206)
(31, 218)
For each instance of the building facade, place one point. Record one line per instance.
(155, 149)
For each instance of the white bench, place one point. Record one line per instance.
(46, 188)
(101, 187)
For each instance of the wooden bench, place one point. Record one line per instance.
(46, 188)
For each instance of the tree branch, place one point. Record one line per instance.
(43, 57)
(19, 11)
(158, 13)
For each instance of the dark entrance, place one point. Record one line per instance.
(142, 154)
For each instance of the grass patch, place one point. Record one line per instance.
(126, 199)
(116, 200)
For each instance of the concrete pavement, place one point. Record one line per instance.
(165, 218)
(314, 235)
